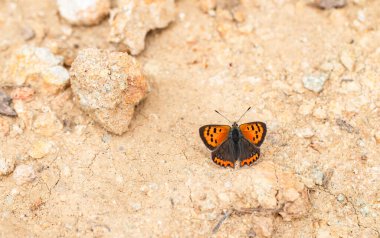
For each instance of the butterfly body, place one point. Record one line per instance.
(236, 143)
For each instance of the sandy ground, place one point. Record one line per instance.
(95, 184)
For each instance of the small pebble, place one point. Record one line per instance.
(5, 108)
(40, 149)
(364, 211)
(347, 60)
(341, 197)
(84, 12)
(314, 82)
(328, 4)
(318, 177)
(24, 174)
(28, 33)
(7, 164)
(305, 132)
(136, 206)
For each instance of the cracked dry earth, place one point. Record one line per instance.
(157, 180)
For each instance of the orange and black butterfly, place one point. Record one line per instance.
(239, 143)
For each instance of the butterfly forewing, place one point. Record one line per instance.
(214, 135)
(254, 132)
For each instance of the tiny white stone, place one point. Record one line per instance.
(305, 132)
(314, 82)
(24, 174)
(341, 197)
(318, 177)
(7, 164)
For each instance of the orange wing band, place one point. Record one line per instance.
(223, 163)
(250, 160)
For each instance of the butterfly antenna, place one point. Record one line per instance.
(243, 114)
(223, 116)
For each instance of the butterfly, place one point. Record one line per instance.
(237, 143)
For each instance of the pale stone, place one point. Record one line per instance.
(84, 12)
(36, 66)
(305, 132)
(24, 174)
(108, 85)
(347, 60)
(132, 20)
(7, 164)
(40, 149)
(314, 82)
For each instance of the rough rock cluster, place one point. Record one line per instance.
(108, 85)
(133, 19)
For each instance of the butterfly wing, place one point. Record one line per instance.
(249, 153)
(214, 135)
(254, 132)
(225, 154)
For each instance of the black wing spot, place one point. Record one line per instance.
(216, 141)
(252, 127)
(257, 136)
(220, 130)
(214, 129)
(212, 140)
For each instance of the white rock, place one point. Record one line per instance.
(24, 174)
(37, 66)
(7, 164)
(318, 177)
(136, 206)
(132, 20)
(327, 4)
(314, 82)
(347, 60)
(305, 132)
(40, 149)
(84, 12)
(341, 197)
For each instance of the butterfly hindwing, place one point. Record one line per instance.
(254, 132)
(225, 154)
(249, 153)
(214, 135)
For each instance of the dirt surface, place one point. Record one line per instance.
(143, 184)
